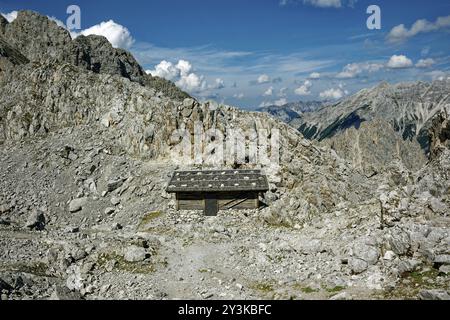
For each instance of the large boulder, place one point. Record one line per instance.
(399, 241)
(135, 254)
(435, 294)
(36, 220)
(77, 204)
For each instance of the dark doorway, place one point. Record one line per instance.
(211, 206)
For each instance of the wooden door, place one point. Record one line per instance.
(211, 206)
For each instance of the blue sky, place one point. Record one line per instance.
(252, 53)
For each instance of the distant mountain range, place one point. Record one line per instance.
(293, 111)
(399, 115)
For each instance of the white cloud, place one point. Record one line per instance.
(324, 3)
(218, 84)
(118, 35)
(438, 75)
(314, 75)
(238, 95)
(282, 93)
(280, 102)
(425, 63)
(352, 70)
(192, 83)
(185, 67)
(264, 78)
(304, 89)
(400, 33)
(182, 75)
(11, 16)
(332, 93)
(268, 92)
(166, 70)
(399, 62)
(321, 3)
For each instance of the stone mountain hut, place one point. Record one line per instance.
(214, 190)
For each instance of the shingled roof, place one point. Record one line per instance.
(217, 180)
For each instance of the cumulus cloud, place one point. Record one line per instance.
(352, 70)
(304, 89)
(280, 102)
(238, 95)
(118, 35)
(166, 70)
(324, 3)
(401, 33)
(264, 78)
(425, 63)
(334, 94)
(282, 92)
(439, 75)
(321, 3)
(218, 84)
(183, 76)
(399, 62)
(268, 92)
(314, 75)
(192, 83)
(11, 16)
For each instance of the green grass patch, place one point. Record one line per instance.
(143, 267)
(416, 281)
(36, 268)
(149, 217)
(204, 270)
(263, 287)
(308, 290)
(335, 289)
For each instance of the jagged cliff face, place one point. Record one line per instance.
(408, 108)
(439, 134)
(10, 57)
(374, 146)
(377, 125)
(40, 39)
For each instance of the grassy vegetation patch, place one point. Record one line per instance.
(308, 290)
(412, 282)
(149, 217)
(36, 268)
(335, 289)
(265, 287)
(143, 267)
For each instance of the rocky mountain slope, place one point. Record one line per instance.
(400, 116)
(292, 112)
(408, 108)
(86, 153)
(39, 39)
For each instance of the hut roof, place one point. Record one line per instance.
(217, 181)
